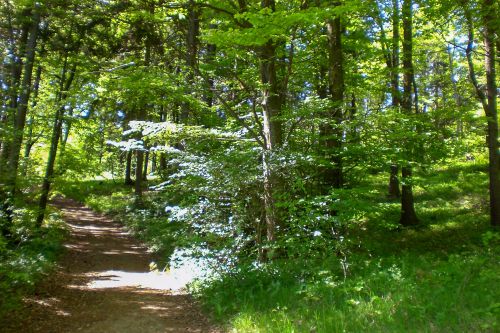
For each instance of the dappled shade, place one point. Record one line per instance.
(104, 284)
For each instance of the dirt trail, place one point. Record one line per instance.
(104, 285)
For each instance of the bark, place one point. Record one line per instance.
(142, 115)
(145, 170)
(491, 111)
(408, 215)
(192, 35)
(64, 86)
(393, 188)
(394, 191)
(488, 101)
(456, 95)
(272, 129)
(13, 89)
(20, 119)
(334, 133)
(211, 52)
(128, 169)
(30, 141)
(138, 173)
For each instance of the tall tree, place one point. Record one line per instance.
(488, 100)
(408, 215)
(332, 131)
(25, 90)
(272, 102)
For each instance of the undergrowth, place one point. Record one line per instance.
(28, 256)
(440, 277)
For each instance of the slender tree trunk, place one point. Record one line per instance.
(49, 171)
(491, 110)
(65, 84)
(456, 95)
(488, 101)
(13, 93)
(272, 130)
(393, 188)
(408, 215)
(334, 133)
(145, 170)
(128, 169)
(30, 141)
(211, 52)
(20, 119)
(142, 115)
(153, 163)
(138, 173)
(193, 32)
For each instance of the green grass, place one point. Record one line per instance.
(443, 276)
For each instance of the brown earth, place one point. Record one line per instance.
(103, 284)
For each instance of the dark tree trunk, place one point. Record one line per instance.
(491, 111)
(393, 188)
(153, 163)
(193, 32)
(488, 101)
(394, 191)
(408, 215)
(128, 169)
(30, 140)
(138, 173)
(272, 129)
(333, 130)
(146, 162)
(49, 171)
(211, 52)
(20, 119)
(64, 86)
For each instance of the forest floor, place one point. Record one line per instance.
(103, 283)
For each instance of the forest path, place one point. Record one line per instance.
(103, 284)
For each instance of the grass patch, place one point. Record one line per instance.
(440, 277)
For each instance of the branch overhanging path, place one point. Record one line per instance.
(103, 283)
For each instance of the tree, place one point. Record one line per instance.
(408, 215)
(488, 100)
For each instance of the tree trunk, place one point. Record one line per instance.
(138, 173)
(13, 96)
(408, 215)
(393, 187)
(49, 171)
(20, 119)
(394, 191)
(193, 32)
(334, 133)
(128, 169)
(145, 170)
(272, 130)
(64, 86)
(488, 101)
(491, 111)
(30, 140)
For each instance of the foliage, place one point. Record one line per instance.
(30, 259)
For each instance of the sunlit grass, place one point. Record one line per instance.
(439, 277)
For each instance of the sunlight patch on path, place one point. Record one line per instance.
(148, 280)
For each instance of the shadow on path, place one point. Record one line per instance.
(103, 284)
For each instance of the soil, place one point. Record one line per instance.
(103, 284)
